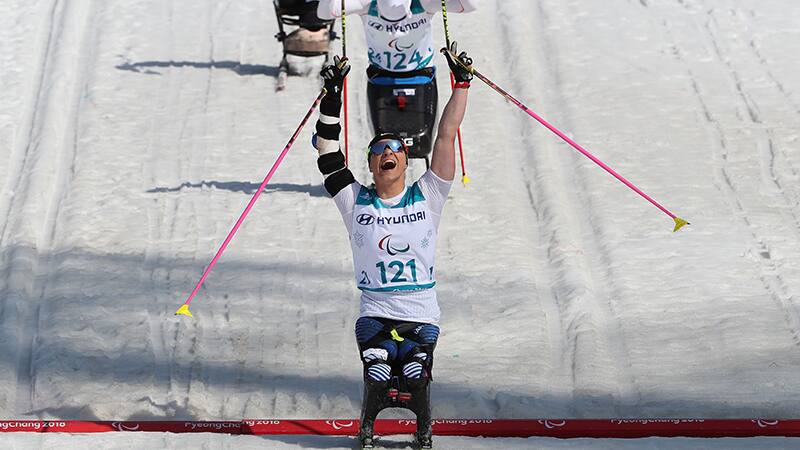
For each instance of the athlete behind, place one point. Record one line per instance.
(398, 32)
(393, 230)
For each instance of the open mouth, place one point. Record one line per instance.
(389, 164)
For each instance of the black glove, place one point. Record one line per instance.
(333, 75)
(461, 67)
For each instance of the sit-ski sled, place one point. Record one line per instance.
(302, 35)
(404, 103)
(398, 394)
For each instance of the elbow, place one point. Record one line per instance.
(448, 127)
(468, 5)
(446, 134)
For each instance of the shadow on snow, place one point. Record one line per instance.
(98, 338)
(245, 187)
(234, 66)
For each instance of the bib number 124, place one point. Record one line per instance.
(396, 61)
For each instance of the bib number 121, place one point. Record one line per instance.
(398, 268)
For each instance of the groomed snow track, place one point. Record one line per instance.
(133, 133)
(519, 428)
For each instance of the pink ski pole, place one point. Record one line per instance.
(184, 309)
(678, 221)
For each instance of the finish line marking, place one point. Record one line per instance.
(557, 428)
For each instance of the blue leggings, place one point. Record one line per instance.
(381, 352)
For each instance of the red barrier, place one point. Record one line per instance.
(558, 428)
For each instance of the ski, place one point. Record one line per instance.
(417, 444)
(366, 442)
(424, 442)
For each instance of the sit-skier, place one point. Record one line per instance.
(393, 231)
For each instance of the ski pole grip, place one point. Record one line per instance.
(455, 58)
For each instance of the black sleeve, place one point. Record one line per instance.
(339, 181)
(333, 167)
(330, 107)
(328, 131)
(331, 162)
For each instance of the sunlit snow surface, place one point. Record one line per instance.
(133, 133)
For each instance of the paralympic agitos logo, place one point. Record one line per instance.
(386, 244)
(395, 44)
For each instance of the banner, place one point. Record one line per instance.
(557, 428)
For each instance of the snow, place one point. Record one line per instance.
(213, 441)
(134, 133)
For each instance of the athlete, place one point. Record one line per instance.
(402, 92)
(398, 32)
(393, 231)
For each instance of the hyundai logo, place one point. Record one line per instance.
(365, 219)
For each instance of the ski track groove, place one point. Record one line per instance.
(193, 163)
(160, 229)
(785, 94)
(770, 272)
(549, 385)
(189, 357)
(21, 287)
(582, 300)
(23, 150)
(562, 353)
(15, 290)
(44, 171)
(628, 394)
(65, 164)
(772, 151)
(170, 220)
(770, 278)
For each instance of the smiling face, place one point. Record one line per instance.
(388, 167)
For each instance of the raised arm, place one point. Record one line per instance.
(332, 9)
(331, 161)
(453, 6)
(443, 160)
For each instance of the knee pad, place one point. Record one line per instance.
(426, 334)
(366, 329)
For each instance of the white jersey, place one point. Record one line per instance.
(401, 45)
(393, 243)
